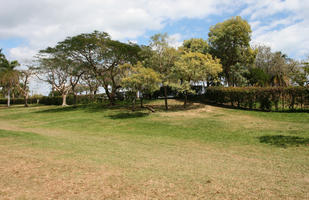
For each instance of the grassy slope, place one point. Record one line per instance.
(205, 152)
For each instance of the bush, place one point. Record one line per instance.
(17, 101)
(266, 98)
(57, 100)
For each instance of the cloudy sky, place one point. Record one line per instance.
(29, 25)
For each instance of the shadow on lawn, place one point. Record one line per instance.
(128, 115)
(86, 108)
(99, 107)
(284, 141)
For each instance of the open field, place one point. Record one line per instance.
(204, 152)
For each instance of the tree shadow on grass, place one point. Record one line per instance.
(85, 107)
(59, 109)
(128, 115)
(284, 141)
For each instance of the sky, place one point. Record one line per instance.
(27, 26)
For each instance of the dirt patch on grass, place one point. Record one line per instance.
(196, 110)
(25, 175)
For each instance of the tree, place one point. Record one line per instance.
(257, 77)
(277, 66)
(162, 60)
(23, 86)
(195, 45)
(99, 53)
(55, 69)
(138, 78)
(238, 75)
(300, 74)
(230, 41)
(195, 67)
(92, 83)
(8, 75)
(76, 71)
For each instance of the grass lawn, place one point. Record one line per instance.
(204, 152)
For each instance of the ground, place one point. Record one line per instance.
(203, 152)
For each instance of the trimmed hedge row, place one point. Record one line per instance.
(57, 100)
(81, 99)
(18, 101)
(270, 98)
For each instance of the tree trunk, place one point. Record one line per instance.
(165, 97)
(74, 96)
(142, 106)
(133, 104)
(9, 97)
(53, 91)
(186, 99)
(112, 98)
(64, 100)
(112, 101)
(26, 100)
(110, 95)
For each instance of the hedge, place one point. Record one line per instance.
(266, 98)
(270, 98)
(19, 101)
(57, 100)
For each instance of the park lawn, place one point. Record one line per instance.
(203, 152)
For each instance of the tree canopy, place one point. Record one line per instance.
(230, 41)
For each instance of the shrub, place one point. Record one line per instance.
(267, 98)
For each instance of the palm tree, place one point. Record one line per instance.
(8, 75)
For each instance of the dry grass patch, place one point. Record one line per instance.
(204, 152)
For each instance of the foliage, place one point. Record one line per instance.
(195, 67)
(138, 78)
(195, 45)
(238, 75)
(57, 70)
(230, 41)
(278, 69)
(8, 75)
(266, 98)
(162, 59)
(258, 77)
(300, 74)
(102, 56)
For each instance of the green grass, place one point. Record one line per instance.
(96, 151)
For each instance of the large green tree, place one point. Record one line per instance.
(59, 70)
(138, 78)
(8, 75)
(278, 69)
(195, 67)
(162, 60)
(230, 41)
(99, 53)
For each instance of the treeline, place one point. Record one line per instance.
(86, 62)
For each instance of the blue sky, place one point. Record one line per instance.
(30, 25)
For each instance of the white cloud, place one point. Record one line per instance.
(24, 55)
(283, 25)
(42, 23)
(175, 40)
